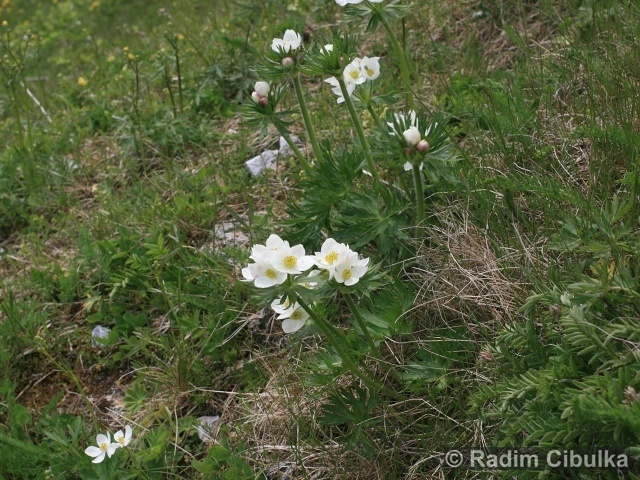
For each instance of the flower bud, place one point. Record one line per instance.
(412, 135)
(264, 101)
(288, 62)
(422, 146)
(262, 88)
(255, 97)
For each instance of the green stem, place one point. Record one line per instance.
(179, 74)
(417, 180)
(359, 130)
(307, 118)
(374, 115)
(402, 58)
(367, 377)
(296, 150)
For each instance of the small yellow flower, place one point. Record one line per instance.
(82, 81)
(180, 36)
(111, 58)
(94, 5)
(125, 49)
(5, 23)
(131, 56)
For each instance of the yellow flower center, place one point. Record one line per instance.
(354, 74)
(370, 71)
(346, 274)
(290, 261)
(270, 273)
(104, 446)
(296, 315)
(120, 440)
(332, 257)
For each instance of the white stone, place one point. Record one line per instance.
(285, 149)
(266, 159)
(208, 428)
(99, 332)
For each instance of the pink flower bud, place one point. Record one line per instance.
(288, 62)
(255, 97)
(422, 146)
(264, 101)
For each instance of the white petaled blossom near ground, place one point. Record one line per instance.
(105, 447)
(275, 261)
(122, 439)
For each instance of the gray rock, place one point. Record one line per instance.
(285, 149)
(266, 159)
(208, 428)
(99, 332)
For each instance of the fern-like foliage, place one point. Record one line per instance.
(569, 375)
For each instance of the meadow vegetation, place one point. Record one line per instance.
(489, 239)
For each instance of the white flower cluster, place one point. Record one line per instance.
(356, 73)
(106, 448)
(411, 135)
(277, 259)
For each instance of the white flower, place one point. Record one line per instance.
(122, 439)
(280, 307)
(255, 97)
(294, 318)
(337, 90)
(370, 67)
(105, 447)
(330, 255)
(402, 120)
(263, 274)
(266, 252)
(352, 73)
(412, 135)
(311, 285)
(292, 260)
(328, 47)
(290, 41)
(262, 88)
(351, 269)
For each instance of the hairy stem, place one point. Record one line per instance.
(417, 180)
(402, 58)
(296, 150)
(307, 118)
(360, 131)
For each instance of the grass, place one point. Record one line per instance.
(509, 317)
